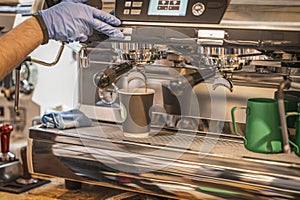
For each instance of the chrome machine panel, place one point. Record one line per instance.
(227, 52)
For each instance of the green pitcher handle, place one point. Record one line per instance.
(234, 122)
(297, 148)
(291, 114)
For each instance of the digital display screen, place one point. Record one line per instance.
(168, 7)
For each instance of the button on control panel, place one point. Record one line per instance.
(127, 4)
(136, 11)
(132, 7)
(137, 4)
(126, 11)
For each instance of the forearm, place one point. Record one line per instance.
(18, 43)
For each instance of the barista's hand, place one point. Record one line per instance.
(69, 21)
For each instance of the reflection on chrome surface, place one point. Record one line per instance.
(228, 171)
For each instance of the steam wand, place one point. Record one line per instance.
(18, 69)
(58, 55)
(17, 89)
(285, 84)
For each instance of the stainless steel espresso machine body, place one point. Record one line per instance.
(202, 58)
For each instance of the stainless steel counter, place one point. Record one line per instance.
(179, 164)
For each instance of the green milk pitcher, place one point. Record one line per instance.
(263, 131)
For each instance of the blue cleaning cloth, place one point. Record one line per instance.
(66, 119)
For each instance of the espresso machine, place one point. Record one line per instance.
(202, 57)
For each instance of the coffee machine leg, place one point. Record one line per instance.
(73, 185)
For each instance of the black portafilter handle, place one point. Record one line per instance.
(178, 84)
(112, 74)
(26, 178)
(200, 76)
(23, 152)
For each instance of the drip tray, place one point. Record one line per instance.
(17, 188)
(195, 148)
(217, 145)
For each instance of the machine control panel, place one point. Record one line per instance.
(178, 11)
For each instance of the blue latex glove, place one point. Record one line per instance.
(69, 21)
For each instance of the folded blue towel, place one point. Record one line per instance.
(66, 119)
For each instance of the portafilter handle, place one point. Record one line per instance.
(5, 130)
(179, 84)
(111, 74)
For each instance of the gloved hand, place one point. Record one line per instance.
(69, 21)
